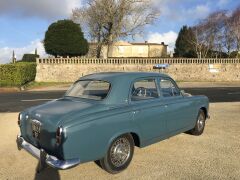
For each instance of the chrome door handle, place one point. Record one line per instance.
(136, 112)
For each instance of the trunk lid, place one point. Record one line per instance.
(48, 117)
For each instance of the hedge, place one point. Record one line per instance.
(17, 74)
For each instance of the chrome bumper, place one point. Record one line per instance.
(43, 156)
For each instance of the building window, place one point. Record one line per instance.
(121, 50)
(140, 50)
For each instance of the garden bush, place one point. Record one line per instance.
(17, 74)
(235, 54)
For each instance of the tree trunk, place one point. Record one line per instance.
(99, 50)
(107, 51)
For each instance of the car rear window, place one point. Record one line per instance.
(89, 89)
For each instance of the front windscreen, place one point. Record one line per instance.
(89, 89)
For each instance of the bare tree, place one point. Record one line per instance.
(209, 34)
(235, 27)
(222, 36)
(108, 20)
(228, 40)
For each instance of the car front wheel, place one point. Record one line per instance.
(119, 154)
(200, 124)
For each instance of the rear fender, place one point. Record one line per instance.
(129, 131)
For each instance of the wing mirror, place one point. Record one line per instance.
(183, 93)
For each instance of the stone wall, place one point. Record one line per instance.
(69, 70)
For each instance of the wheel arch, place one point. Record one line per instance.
(204, 109)
(136, 139)
(135, 135)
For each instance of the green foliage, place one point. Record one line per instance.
(216, 54)
(235, 54)
(185, 43)
(65, 38)
(30, 57)
(17, 74)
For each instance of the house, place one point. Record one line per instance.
(123, 49)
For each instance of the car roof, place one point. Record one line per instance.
(110, 76)
(120, 83)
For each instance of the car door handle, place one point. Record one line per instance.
(136, 112)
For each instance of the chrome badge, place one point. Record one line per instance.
(36, 128)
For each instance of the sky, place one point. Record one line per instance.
(23, 23)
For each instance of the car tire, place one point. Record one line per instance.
(119, 154)
(200, 124)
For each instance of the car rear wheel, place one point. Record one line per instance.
(200, 124)
(119, 154)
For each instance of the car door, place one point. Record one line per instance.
(178, 109)
(148, 110)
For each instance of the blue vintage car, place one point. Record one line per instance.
(103, 116)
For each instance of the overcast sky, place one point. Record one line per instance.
(23, 22)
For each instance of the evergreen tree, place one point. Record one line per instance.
(185, 43)
(65, 38)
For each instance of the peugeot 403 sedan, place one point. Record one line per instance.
(103, 116)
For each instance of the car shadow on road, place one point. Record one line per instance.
(47, 173)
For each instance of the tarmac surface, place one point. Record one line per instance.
(214, 155)
(18, 101)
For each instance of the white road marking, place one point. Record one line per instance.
(33, 100)
(233, 93)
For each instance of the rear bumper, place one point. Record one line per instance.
(44, 157)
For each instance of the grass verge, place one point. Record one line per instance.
(34, 85)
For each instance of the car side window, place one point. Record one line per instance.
(168, 88)
(144, 89)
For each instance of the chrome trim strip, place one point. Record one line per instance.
(50, 160)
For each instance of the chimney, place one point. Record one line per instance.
(162, 43)
(146, 42)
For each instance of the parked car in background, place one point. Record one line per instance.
(103, 116)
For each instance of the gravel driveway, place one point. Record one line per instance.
(214, 155)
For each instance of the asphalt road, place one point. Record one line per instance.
(18, 101)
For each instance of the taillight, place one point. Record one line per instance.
(59, 135)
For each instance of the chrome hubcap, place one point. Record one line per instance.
(120, 152)
(200, 122)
